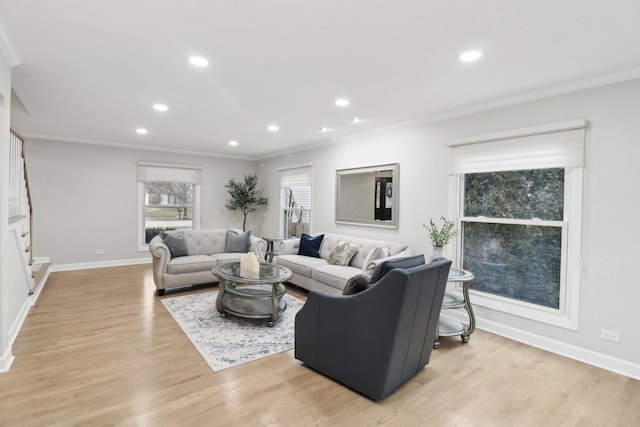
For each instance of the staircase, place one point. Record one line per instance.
(28, 273)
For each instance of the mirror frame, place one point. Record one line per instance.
(395, 211)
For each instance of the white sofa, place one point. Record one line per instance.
(206, 249)
(316, 273)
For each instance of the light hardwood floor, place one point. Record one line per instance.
(99, 348)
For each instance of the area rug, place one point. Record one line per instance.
(224, 343)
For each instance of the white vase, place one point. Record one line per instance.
(437, 253)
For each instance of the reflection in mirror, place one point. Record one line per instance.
(368, 195)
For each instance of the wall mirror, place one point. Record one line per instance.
(368, 195)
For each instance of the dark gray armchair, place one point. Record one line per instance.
(375, 340)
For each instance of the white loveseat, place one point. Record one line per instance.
(206, 249)
(316, 273)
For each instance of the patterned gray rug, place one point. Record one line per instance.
(224, 343)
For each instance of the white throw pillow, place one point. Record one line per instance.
(374, 254)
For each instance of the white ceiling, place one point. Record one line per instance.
(91, 70)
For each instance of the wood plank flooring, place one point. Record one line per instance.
(99, 348)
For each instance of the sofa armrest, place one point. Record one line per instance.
(407, 252)
(289, 247)
(160, 257)
(259, 247)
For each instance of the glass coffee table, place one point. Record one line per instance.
(259, 298)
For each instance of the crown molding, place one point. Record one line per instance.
(33, 136)
(8, 47)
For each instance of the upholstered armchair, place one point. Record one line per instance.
(375, 340)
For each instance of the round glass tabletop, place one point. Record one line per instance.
(269, 273)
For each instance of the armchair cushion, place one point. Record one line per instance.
(238, 242)
(385, 267)
(176, 243)
(310, 245)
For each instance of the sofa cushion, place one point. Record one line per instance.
(387, 266)
(224, 257)
(331, 241)
(176, 243)
(355, 284)
(206, 242)
(342, 254)
(238, 241)
(335, 276)
(300, 264)
(310, 245)
(190, 264)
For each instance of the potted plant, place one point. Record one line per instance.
(244, 197)
(440, 237)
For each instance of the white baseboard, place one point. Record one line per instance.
(100, 264)
(609, 363)
(6, 360)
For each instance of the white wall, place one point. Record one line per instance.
(85, 197)
(609, 288)
(6, 298)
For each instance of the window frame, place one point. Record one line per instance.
(293, 176)
(566, 316)
(171, 173)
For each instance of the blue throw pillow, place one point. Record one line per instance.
(310, 245)
(385, 267)
(176, 243)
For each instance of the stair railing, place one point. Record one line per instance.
(19, 192)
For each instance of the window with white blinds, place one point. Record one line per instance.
(295, 199)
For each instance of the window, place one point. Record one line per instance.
(295, 200)
(169, 198)
(519, 210)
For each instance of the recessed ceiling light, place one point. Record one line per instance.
(356, 120)
(233, 143)
(198, 61)
(273, 128)
(324, 129)
(142, 131)
(160, 107)
(470, 56)
(342, 102)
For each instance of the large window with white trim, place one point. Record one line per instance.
(169, 199)
(519, 209)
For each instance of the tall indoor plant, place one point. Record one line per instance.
(244, 196)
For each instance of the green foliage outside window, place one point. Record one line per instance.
(521, 262)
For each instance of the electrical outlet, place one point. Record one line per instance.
(99, 251)
(609, 335)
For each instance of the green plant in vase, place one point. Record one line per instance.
(440, 236)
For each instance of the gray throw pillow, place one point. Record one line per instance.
(176, 243)
(238, 242)
(385, 267)
(357, 283)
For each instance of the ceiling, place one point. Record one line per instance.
(90, 71)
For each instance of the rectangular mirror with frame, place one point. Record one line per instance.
(368, 195)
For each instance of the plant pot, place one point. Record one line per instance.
(437, 253)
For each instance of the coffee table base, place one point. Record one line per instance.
(252, 303)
